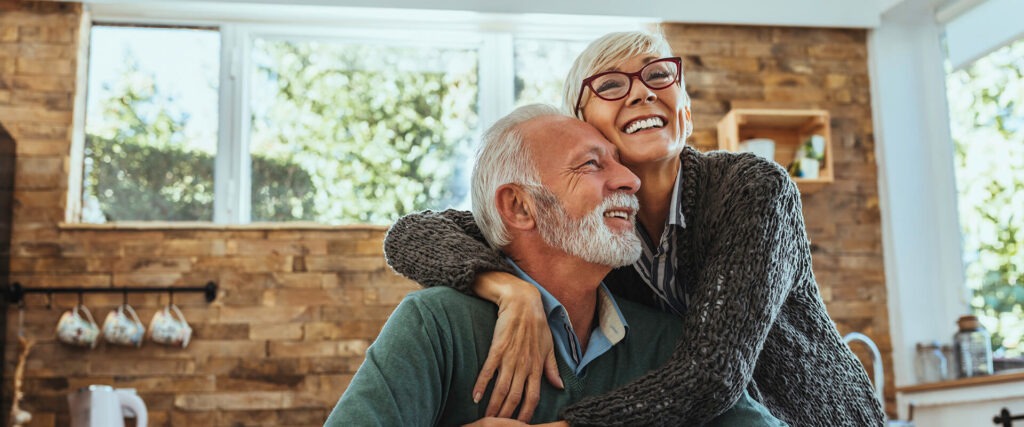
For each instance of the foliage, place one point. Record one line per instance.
(339, 134)
(987, 120)
(140, 167)
(382, 130)
(134, 181)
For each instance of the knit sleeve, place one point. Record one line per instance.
(758, 250)
(440, 249)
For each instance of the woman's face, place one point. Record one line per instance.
(647, 125)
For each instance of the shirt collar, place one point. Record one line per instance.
(610, 320)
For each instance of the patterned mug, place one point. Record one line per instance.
(77, 327)
(169, 327)
(123, 327)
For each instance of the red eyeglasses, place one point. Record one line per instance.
(615, 85)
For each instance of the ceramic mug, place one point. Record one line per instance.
(169, 327)
(123, 327)
(77, 327)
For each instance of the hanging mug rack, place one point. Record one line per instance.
(16, 293)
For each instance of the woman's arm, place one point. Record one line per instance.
(441, 249)
(749, 270)
(447, 249)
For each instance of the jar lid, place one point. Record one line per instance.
(968, 322)
(930, 345)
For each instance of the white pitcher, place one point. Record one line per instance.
(102, 405)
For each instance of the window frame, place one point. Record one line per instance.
(493, 35)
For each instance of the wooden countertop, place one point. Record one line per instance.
(1002, 377)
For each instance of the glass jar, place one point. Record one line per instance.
(973, 348)
(930, 363)
(952, 371)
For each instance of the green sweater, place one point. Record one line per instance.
(422, 367)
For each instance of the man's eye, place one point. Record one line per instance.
(592, 163)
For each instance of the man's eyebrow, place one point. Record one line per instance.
(597, 151)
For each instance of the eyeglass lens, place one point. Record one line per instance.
(656, 75)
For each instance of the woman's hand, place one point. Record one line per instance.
(520, 350)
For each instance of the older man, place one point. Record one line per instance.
(549, 192)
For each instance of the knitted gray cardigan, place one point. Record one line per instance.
(755, 318)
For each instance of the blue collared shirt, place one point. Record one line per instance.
(611, 329)
(658, 261)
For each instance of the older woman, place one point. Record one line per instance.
(725, 249)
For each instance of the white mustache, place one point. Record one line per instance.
(619, 200)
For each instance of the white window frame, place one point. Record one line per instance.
(494, 36)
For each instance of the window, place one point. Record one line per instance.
(987, 121)
(280, 114)
(151, 124)
(359, 132)
(541, 66)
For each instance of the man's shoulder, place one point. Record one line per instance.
(438, 294)
(448, 302)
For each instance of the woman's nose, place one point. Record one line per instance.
(640, 93)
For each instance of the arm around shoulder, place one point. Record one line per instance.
(440, 249)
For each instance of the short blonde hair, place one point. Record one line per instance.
(608, 52)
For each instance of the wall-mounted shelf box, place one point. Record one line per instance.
(788, 128)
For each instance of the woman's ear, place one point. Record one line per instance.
(688, 129)
(515, 207)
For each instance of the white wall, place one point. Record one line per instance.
(921, 234)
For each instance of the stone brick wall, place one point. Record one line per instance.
(298, 306)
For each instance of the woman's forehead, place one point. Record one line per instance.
(643, 59)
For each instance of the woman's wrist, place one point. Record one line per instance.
(503, 288)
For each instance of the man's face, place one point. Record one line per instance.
(587, 205)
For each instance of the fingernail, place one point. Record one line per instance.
(476, 397)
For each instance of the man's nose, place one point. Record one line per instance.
(622, 179)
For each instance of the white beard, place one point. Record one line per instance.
(587, 238)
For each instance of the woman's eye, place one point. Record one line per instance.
(592, 163)
(658, 75)
(608, 86)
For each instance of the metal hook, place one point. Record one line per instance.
(124, 294)
(80, 298)
(49, 300)
(170, 293)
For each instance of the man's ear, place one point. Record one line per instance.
(515, 207)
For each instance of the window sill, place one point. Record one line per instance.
(199, 225)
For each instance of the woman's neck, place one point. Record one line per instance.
(655, 194)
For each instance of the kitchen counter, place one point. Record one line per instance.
(963, 402)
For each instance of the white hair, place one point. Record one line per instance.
(606, 53)
(503, 159)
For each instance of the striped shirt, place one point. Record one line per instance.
(657, 263)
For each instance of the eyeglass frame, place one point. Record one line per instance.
(638, 74)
